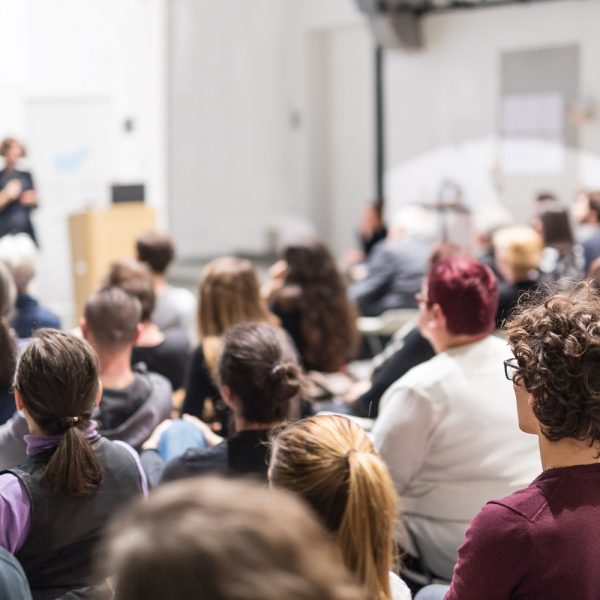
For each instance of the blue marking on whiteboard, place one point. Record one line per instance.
(72, 161)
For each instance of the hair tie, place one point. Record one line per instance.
(68, 422)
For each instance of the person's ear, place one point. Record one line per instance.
(437, 318)
(19, 400)
(85, 328)
(99, 394)
(228, 397)
(136, 335)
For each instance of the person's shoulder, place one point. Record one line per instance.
(399, 590)
(196, 461)
(523, 504)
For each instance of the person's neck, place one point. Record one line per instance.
(150, 335)
(242, 425)
(115, 368)
(450, 340)
(567, 452)
(159, 282)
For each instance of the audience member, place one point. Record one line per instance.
(407, 349)
(562, 259)
(166, 352)
(308, 294)
(588, 215)
(175, 307)
(229, 294)
(7, 347)
(258, 378)
(19, 254)
(445, 429)
(518, 252)
(372, 226)
(213, 539)
(331, 463)
(396, 265)
(134, 401)
(541, 542)
(53, 507)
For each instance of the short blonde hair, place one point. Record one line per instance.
(520, 248)
(331, 462)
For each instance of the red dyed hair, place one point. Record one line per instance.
(467, 292)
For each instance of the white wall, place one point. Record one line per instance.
(73, 72)
(447, 95)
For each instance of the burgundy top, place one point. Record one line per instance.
(542, 542)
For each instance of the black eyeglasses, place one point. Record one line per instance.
(511, 368)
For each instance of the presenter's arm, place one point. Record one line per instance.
(10, 192)
(29, 195)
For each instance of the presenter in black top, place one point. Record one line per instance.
(17, 193)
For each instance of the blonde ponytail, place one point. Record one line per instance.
(331, 463)
(366, 531)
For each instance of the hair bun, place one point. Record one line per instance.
(279, 373)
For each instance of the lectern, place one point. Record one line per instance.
(100, 236)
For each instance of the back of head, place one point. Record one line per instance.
(557, 346)
(467, 292)
(19, 253)
(57, 378)
(413, 221)
(229, 294)
(212, 539)
(556, 229)
(259, 366)
(331, 463)
(594, 203)
(135, 278)
(315, 288)
(518, 249)
(112, 316)
(156, 250)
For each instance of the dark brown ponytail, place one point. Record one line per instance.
(259, 366)
(57, 377)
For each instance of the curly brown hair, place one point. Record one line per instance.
(315, 288)
(557, 346)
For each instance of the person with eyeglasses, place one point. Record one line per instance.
(544, 541)
(446, 429)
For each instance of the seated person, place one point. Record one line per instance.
(258, 379)
(55, 505)
(175, 307)
(308, 293)
(213, 539)
(543, 541)
(330, 462)
(518, 252)
(134, 401)
(396, 265)
(19, 254)
(229, 293)
(166, 352)
(445, 429)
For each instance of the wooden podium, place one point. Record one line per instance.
(99, 237)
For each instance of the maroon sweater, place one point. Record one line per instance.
(540, 543)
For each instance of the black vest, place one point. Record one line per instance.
(58, 553)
